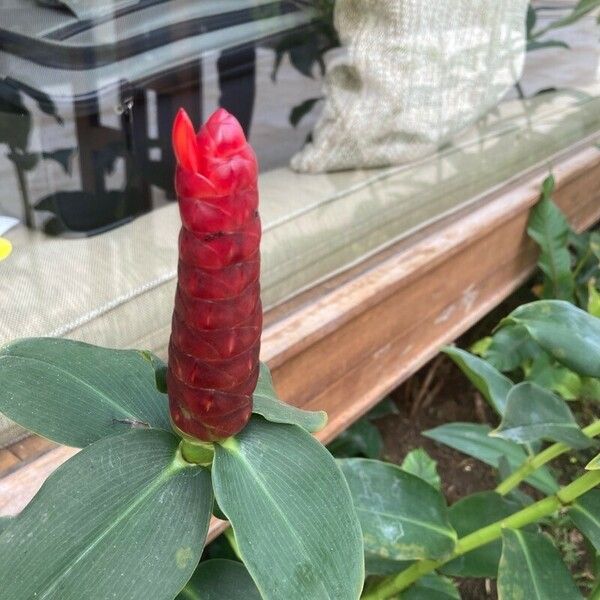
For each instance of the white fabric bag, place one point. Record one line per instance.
(414, 73)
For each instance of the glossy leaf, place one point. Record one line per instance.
(220, 579)
(568, 333)
(474, 440)
(360, 439)
(419, 463)
(468, 515)
(510, 348)
(532, 568)
(268, 405)
(585, 514)
(432, 587)
(533, 413)
(124, 518)
(377, 565)
(492, 385)
(75, 393)
(291, 512)
(401, 516)
(550, 229)
(594, 464)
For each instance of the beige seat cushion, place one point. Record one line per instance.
(116, 289)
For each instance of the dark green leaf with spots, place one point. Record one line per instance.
(532, 569)
(76, 393)
(401, 516)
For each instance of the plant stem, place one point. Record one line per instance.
(392, 586)
(537, 461)
(197, 452)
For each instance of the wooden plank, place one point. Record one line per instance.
(344, 344)
(18, 488)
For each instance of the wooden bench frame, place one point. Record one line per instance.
(344, 344)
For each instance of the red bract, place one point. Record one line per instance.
(217, 322)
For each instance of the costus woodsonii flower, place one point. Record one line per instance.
(217, 321)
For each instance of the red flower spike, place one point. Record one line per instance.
(217, 322)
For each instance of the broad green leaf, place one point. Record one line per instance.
(511, 347)
(593, 306)
(377, 565)
(594, 464)
(124, 518)
(360, 439)
(547, 373)
(220, 579)
(474, 440)
(160, 370)
(291, 512)
(468, 515)
(585, 513)
(550, 229)
(494, 386)
(419, 463)
(533, 413)
(432, 587)
(531, 568)
(401, 516)
(568, 333)
(268, 405)
(75, 393)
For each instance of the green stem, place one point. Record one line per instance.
(537, 461)
(196, 452)
(392, 586)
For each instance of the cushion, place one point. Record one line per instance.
(414, 74)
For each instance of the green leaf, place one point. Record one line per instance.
(547, 373)
(468, 515)
(291, 512)
(494, 386)
(401, 516)
(160, 370)
(360, 439)
(419, 463)
(531, 568)
(220, 579)
(5, 522)
(474, 440)
(568, 333)
(582, 8)
(268, 405)
(377, 565)
(533, 413)
(594, 464)
(585, 514)
(550, 229)
(510, 348)
(431, 587)
(75, 393)
(124, 518)
(593, 306)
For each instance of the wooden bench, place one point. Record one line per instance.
(344, 344)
